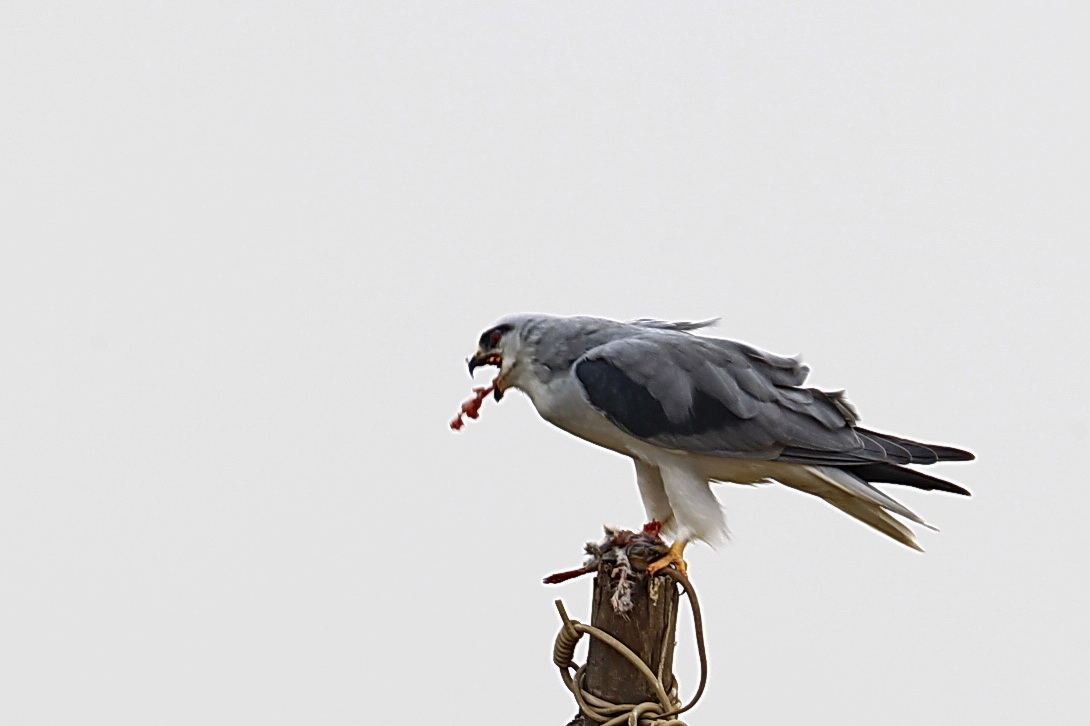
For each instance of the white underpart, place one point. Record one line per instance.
(844, 491)
(653, 492)
(675, 485)
(697, 513)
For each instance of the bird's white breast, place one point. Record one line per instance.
(561, 402)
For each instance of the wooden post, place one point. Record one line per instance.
(647, 627)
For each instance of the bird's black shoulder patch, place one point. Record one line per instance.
(632, 407)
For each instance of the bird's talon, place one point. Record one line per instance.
(672, 557)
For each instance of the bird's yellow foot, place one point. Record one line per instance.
(673, 557)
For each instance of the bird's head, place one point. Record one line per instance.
(504, 346)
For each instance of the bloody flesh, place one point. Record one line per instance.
(471, 407)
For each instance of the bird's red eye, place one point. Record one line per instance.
(494, 339)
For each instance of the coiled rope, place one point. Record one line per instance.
(605, 713)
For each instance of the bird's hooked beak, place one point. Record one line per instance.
(492, 358)
(480, 358)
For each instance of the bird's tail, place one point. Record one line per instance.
(893, 474)
(873, 515)
(854, 496)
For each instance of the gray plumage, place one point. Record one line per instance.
(691, 409)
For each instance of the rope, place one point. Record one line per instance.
(640, 714)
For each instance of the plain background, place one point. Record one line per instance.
(248, 246)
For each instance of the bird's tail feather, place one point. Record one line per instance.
(893, 474)
(857, 498)
(873, 515)
(843, 479)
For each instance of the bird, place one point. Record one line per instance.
(691, 409)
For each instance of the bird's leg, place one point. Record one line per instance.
(672, 557)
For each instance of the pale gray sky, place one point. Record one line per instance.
(247, 247)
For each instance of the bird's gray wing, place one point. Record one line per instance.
(721, 398)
